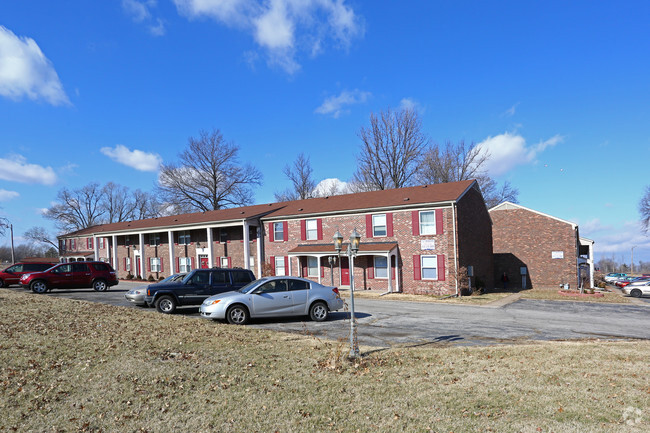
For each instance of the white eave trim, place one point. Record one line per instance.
(509, 205)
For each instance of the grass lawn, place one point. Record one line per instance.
(74, 366)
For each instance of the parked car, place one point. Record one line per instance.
(137, 295)
(613, 276)
(629, 280)
(198, 285)
(273, 296)
(623, 281)
(637, 289)
(12, 274)
(76, 275)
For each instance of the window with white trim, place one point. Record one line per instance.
(155, 264)
(428, 222)
(154, 239)
(224, 262)
(312, 266)
(429, 267)
(127, 264)
(278, 232)
(184, 238)
(101, 243)
(379, 225)
(184, 264)
(312, 230)
(279, 267)
(73, 244)
(381, 267)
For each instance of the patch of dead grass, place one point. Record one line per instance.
(75, 366)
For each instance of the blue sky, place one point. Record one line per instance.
(559, 92)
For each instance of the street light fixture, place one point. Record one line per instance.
(351, 252)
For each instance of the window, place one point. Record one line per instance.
(429, 267)
(63, 269)
(73, 244)
(379, 225)
(312, 230)
(381, 267)
(101, 243)
(184, 264)
(312, 266)
(428, 223)
(241, 277)
(273, 286)
(278, 232)
(279, 266)
(184, 238)
(154, 262)
(89, 243)
(127, 264)
(101, 267)
(224, 262)
(154, 239)
(219, 277)
(15, 268)
(298, 285)
(80, 267)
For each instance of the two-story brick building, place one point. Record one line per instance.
(413, 239)
(536, 250)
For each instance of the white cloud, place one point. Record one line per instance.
(331, 186)
(15, 168)
(137, 159)
(506, 151)
(510, 111)
(140, 12)
(8, 195)
(411, 104)
(25, 71)
(335, 105)
(282, 28)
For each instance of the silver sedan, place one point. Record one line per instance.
(136, 296)
(272, 297)
(637, 289)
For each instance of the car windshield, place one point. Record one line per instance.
(251, 285)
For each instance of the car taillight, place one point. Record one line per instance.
(335, 290)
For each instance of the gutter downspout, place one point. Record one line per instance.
(453, 209)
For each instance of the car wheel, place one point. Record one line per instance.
(166, 304)
(318, 312)
(2, 283)
(100, 285)
(636, 293)
(38, 286)
(237, 315)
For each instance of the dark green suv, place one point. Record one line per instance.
(196, 287)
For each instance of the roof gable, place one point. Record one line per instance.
(506, 205)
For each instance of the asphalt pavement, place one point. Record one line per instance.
(389, 323)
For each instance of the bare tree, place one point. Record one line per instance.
(391, 150)
(209, 176)
(644, 210)
(77, 209)
(41, 236)
(146, 205)
(460, 161)
(117, 203)
(300, 176)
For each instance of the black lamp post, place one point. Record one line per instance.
(351, 252)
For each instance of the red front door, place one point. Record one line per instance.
(345, 271)
(137, 267)
(205, 264)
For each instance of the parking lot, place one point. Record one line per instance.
(387, 323)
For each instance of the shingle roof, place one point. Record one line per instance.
(400, 197)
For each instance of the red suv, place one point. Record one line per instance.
(12, 274)
(76, 275)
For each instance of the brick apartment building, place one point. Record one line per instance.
(537, 250)
(413, 240)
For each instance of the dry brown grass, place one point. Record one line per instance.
(553, 295)
(75, 366)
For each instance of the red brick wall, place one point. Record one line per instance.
(475, 238)
(526, 238)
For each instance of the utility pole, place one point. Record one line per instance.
(632, 264)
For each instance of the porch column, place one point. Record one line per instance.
(210, 251)
(114, 242)
(95, 248)
(320, 267)
(247, 245)
(143, 267)
(170, 243)
(259, 251)
(390, 278)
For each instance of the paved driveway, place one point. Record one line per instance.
(385, 323)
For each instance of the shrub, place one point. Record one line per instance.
(151, 278)
(129, 276)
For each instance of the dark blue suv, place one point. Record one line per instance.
(196, 287)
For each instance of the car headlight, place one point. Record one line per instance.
(214, 302)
